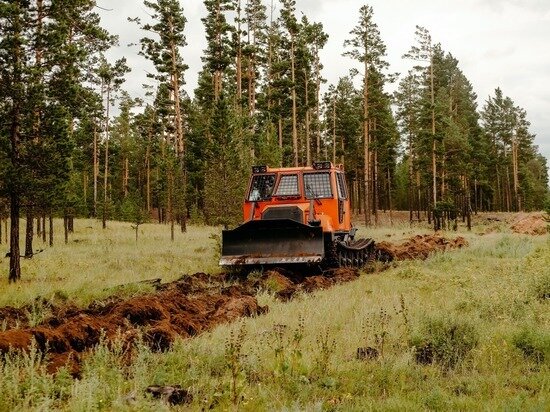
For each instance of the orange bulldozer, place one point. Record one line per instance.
(296, 215)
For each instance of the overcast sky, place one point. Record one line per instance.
(499, 43)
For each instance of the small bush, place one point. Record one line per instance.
(534, 345)
(541, 287)
(444, 341)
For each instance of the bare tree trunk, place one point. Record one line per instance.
(334, 130)
(434, 147)
(366, 148)
(66, 227)
(29, 233)
(280, 131)
(15, 260)
(317, 103)
(375, 194)
(517, 197)
(308, 138)
(390, 205)
(106, 169)
(410, 188)
(85, 188)
(96, 170)
(294, 108)
(51, 229)
(43, 227)
(239, 59)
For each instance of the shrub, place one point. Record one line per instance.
(533, 344)
(444, 341)
(541, 286)
(547, 204)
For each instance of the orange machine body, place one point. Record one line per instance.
(292, 215)
(322, 187)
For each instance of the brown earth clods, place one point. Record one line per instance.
(419, 247)
(184, 308)
(531, 224)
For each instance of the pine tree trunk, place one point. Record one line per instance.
(66, 226)
(239, 59)
(51, 230)
(410, 190)
(434, 147)
(70, 221)
(390, 204)
(15, 260)
(375, 187)
(85, 188)
(29, 233)
(43, 227)
(180, 142)
(334, 130)
(366, 148)
(317, 104)
(308, 138)
(106, 169)
(96, 171)
(294, 108)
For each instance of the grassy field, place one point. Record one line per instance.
(96, 261)
(465, 330)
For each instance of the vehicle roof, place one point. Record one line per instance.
(302, 169)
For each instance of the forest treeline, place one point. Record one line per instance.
(261, 99)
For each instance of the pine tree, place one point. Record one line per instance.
(424, 52)
(367, 47)
(168, 25)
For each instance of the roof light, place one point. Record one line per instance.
(322, 165)
(259, 169)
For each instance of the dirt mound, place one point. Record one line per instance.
(180, 308)
(274, 280)
(419, 247)
(13, 317)
(310, 283)
(531, 224)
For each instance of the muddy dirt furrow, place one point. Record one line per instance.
(183, 308)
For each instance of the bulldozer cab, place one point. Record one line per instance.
(290, 215)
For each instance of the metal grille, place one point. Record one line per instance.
(261, 188)
(317, 185)
(291, 212)
(288, 186)
(342, 193)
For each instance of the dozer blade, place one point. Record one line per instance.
(276, 241)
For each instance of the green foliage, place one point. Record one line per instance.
(533, 343)
(132, 209)
(444, 341)
(546, 205)
(541, 286)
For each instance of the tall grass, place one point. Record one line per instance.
(479, 308)
(97, 260)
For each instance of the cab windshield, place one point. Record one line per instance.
(317, 185)
(261, 187)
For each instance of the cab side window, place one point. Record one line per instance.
(341, 183)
